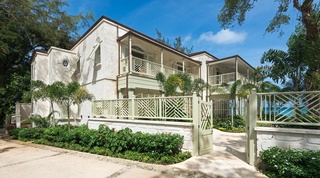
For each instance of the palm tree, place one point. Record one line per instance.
(169, 86)
(42, 91)
(72, 93)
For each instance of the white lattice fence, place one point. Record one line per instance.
(206, 115)
(101, 107)
(180, 107)
(161, 108)
(147, 107)
(291, 108)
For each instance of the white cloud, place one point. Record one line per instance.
(223, 37)
(186, 39)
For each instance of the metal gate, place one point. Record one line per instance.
(205, 127)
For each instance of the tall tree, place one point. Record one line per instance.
(290, 65)
(235, 10)
(177, 44)
(71, 94)
(28, 25)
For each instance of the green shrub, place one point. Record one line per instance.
(290, 162)
(225, 124)
(27, 134)
(153, 148)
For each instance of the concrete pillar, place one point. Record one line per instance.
(251, 148)
(195, 117)
(18, 115)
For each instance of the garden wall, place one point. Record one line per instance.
(152, 127)
(287, 138)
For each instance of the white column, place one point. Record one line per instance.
(130, 54)
(183, 65)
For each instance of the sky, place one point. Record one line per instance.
(196, 22)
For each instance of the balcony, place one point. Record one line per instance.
(150, 69)
(227, 78)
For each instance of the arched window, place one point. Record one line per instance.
(137, 52)
(179, 66)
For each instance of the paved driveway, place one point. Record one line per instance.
(227, 160)
(27, 160)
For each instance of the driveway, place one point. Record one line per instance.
(27, 160)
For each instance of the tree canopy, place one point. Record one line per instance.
(290, 65)
(302, 61)
(236, 10)
(29, 25)
(177, 44)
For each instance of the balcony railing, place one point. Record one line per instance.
(222, 78)
(227, 78)
(148, 68)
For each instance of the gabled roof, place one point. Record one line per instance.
(137, 34)
(230, 57)
(157, 43)
(202, 52)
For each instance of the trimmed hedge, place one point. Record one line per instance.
(151, 148)
(296, 163)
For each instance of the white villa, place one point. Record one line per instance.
(113, 61)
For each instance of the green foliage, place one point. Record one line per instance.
(290, 162)
(41, 122)
(177, 44)
(70, 94)
(153, 148)
(183, 81)
(24, 27)
(171, 85)
(236, 10)
(12, 92)
(225, 124)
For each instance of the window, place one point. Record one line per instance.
(179, 66)
(65, 62)
(78, 67)
(97, 56)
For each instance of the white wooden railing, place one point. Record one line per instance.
(145, 67)
(222, 78)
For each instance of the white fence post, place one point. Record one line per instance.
(132, 107)
(251, 120)
(18, 115)
(195, 118)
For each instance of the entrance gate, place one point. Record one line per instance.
(205, 127)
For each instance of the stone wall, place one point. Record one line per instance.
(152, 127)
(287, 138)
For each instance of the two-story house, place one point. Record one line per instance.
(113, 61)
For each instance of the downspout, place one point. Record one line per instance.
(207, 73)
(129, 65)
(119, 56)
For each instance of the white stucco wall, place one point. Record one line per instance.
(152, 127)
(287, 138)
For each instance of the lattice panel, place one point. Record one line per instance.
(101, 107)
(139, 65)
(291, 108)
(121, 107)
(155, 69)
(206, 116)
(177, 108)
(147, 107)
